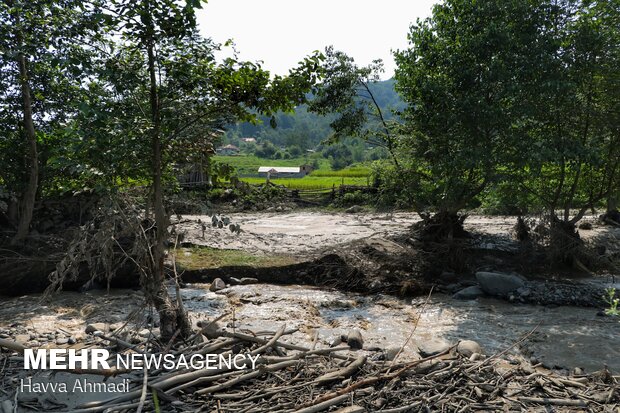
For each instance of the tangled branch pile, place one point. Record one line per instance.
(291, 378)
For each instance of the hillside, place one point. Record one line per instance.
(305, 129)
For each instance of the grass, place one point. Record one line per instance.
(310, 182)
(322, 178)
(198, 258)
(249, 164)
(350, 172)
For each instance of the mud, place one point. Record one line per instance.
(565, 337)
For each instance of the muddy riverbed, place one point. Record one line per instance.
(565, 337)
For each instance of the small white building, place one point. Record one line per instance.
(284, 171)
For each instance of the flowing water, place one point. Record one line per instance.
(565, 337)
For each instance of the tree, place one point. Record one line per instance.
(461, 78)
(161, 80)
(571, 151)
(42, 64)
(347, 90)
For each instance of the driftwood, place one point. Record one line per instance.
(292, 378)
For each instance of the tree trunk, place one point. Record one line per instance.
(30, 192)
(173, 320)
(565, 244)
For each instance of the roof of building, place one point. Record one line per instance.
(280, 169)
(230, 147)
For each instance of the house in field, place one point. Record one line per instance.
(228, 150)
(284, 171)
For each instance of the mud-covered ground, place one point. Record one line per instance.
(566, 337)
(302, 233)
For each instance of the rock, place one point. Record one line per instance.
(217, 285)
(469, 293)
(7, 407)
(22, 338)
(248, 280)
(210, 329)
(61, 341)
(71, 340)
(379, 403)
(524, 292)
(235, 281)
(354, 209)
(91, 328)
(145, 332)
(391, 352)
(475, 357)
(468, 347)
(432, 347)
(335, 341)
(355, 340)
(497, 283)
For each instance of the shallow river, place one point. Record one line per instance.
(567, 337)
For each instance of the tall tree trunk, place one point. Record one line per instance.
(173, 319)
(30, 192)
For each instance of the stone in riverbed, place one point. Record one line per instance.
(248, 280)
(91, 328)
(391, 353)
(432, 347)
(355, 340)
(217, 285)
(469, 293)
(497, 283)
(468, 347)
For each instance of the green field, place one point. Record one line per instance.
(249, 164)
(322, 178)
(311, 182)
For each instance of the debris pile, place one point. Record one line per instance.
(292, 378)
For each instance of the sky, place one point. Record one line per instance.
(281, 32)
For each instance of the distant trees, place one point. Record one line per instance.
(347, 90)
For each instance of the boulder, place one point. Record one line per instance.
(499, 284)
(217, 285)
(391, 353)
(91, 328)
(468, 347)
(355, 340)
(469, 293)
(22, 338)
(248, 280)
(432, 347)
